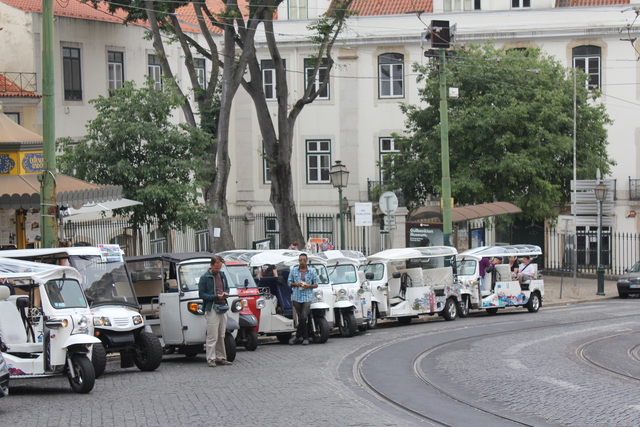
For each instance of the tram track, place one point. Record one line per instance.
(499, 416)
(581, 353)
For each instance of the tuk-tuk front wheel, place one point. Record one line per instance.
(284, 338)
(250, 340)
(348, 326)
(83, 378)
(374, 315)
(321, 333)
(463, 309)
(148, 352)
(98, 359)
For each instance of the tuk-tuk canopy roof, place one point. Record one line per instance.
(170, 257)
(503, 251)
(283, 257)
(401, 254)
(14, 269)
(344, 256)
(240, 255)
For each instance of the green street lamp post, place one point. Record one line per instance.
(339, 179)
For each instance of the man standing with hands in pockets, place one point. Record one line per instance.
(214, 290)
(302, 280)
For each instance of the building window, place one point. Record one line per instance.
(155, 71)
(269, 77)
(309, 65)
(587, 59)
(391, 75)
(115, 63)
(387, 146)
(272, 230)
(72, 74)
(201, 71)
(266, 167)
(520, 3)
(318, 161)
(13, 116)
(158, 242)
(462, 5)
(298, 9)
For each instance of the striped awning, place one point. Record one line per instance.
(23, 191)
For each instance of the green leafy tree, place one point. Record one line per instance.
(132, 143)
(510, 132)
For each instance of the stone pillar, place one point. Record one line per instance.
(398, 236)
(249, 226)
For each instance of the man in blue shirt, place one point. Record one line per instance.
(302, 280)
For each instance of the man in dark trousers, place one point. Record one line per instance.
(213, 288)
(302, 280)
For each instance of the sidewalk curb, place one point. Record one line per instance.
(558, 303)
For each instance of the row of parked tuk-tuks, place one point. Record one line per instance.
(73, 306)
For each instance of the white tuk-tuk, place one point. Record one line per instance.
(108, 288)
(352, 291)
(167, 288)
(410, 282)
(46, 327)
(277, 314)
(501, 287)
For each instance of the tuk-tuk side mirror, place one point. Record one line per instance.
(368, 276)
(246, 283)
(134, 276)
(396, 275)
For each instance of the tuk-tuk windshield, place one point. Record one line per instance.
(65, 293)
(240, 276)
(345, 273)
(376, 268)
(190, 274)
(467, 267)
(323, 275)
(104, 282)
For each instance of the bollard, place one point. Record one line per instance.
(600, 276)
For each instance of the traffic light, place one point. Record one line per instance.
(440, 34)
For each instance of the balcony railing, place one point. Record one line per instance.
(13, 82)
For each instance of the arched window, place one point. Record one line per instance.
(588, 59)
(391, 75)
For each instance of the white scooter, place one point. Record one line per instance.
(47, 327)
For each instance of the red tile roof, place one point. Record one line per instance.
(570, 3)
(10, 89)
(391, 7)
(70, 8)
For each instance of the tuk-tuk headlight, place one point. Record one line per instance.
(237, 305)
(318, 296)
(82, 326)
(101, 321)
(195, 308)
(56, 323)
(342, 294)
(260, 304)
(137, 319)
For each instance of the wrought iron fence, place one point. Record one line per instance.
(14, 82)
(150, 240)
(619, 251)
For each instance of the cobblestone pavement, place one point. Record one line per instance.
(537, 375)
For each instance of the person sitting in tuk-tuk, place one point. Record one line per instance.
(526, 270)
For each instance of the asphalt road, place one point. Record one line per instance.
(575, 365)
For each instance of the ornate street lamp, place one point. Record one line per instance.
(339, 179)
(601, 194)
